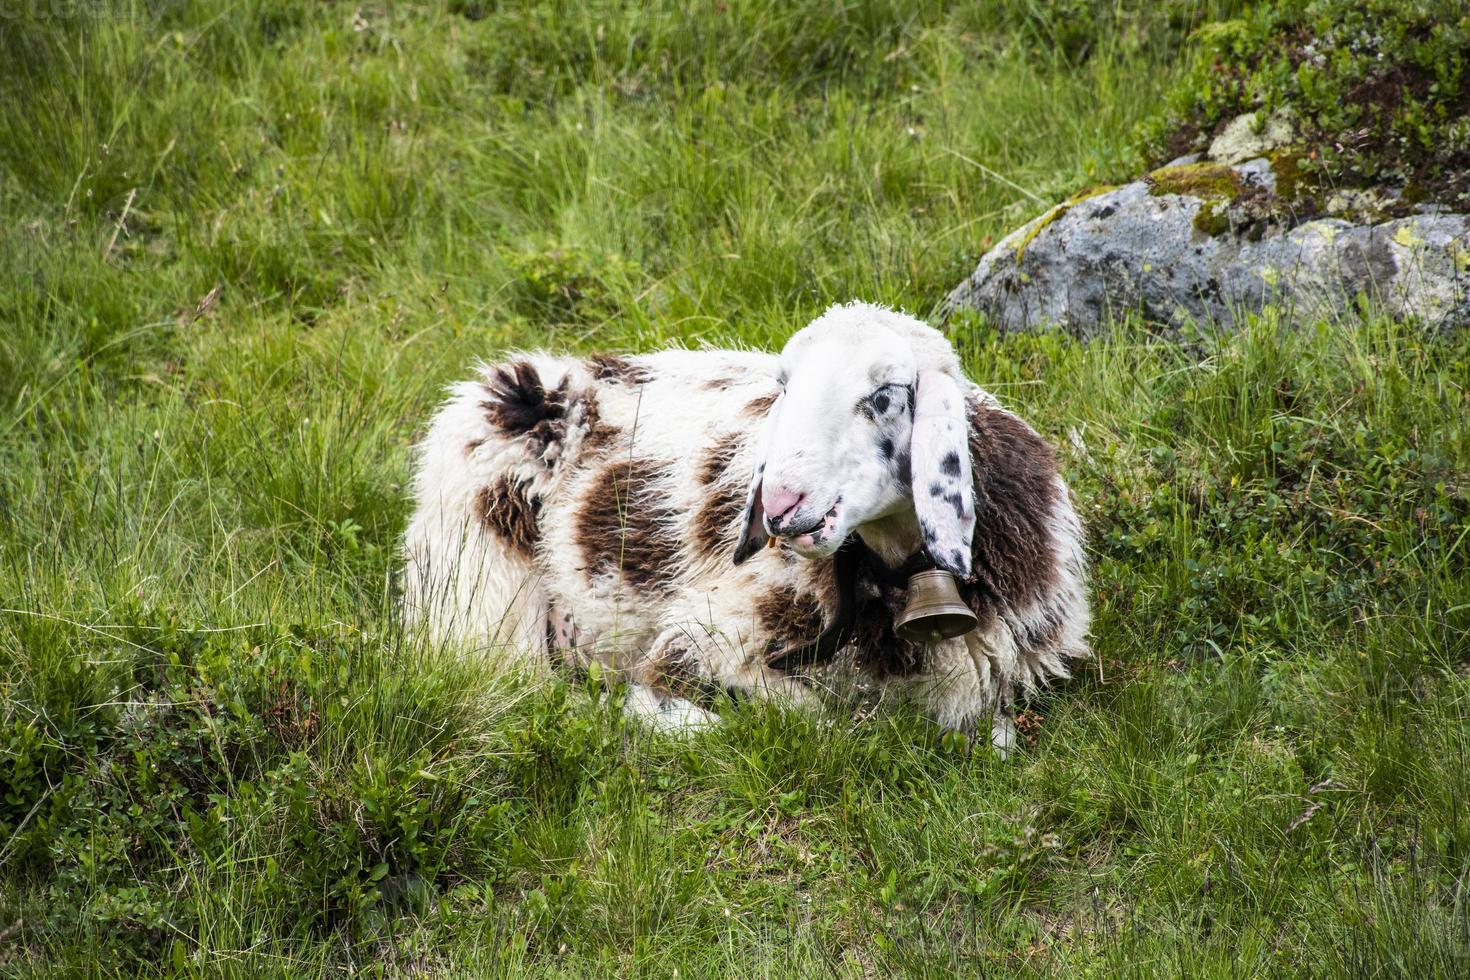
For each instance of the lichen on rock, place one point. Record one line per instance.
(1208, 242)
(1246, 137)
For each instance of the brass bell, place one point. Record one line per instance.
(934, 611)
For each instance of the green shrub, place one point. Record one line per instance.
(1379, 90)
(213, 744)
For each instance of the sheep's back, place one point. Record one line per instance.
(647, 509)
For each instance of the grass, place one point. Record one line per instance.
(220, 754)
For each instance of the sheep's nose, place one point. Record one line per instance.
(780, 504)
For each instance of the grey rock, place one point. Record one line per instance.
(1135, 249)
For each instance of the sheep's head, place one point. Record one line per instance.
(870, 425)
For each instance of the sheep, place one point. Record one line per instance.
(723, 520)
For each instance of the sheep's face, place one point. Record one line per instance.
(869, 409)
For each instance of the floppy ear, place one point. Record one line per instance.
(753, 534)
(944, 497)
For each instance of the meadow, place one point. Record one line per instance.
(242, 248)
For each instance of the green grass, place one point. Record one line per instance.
(219, 753)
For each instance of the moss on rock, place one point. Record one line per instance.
(1081, 196)
(1286, 165)
(1215, 185)
(1206, 181)
(1040, 223)
(1213, 218)
(1056, 212)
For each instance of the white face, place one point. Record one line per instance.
(841, 447)
(837, 454)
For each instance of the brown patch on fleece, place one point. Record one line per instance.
(717, 461)
(1014, 477)
(790, 619)
(714, 524)
(758, 407)
(618, 370)
(504, 508)
(625, 525)
(518, 404)
(597, 436)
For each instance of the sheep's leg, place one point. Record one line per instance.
(687, 664)
(758, 680)
(663, 682)
(666, 712)
(960, 687)
(736, 665)
(1002, 715)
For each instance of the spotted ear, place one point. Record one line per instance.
(944, 497)
(753, 536)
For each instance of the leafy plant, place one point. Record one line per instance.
(1378, 91)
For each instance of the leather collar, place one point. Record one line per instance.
(853, 558)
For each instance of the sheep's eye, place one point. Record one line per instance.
(885, 398)
(882, 401)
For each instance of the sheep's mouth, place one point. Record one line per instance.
(804, 531)
(814, 540)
